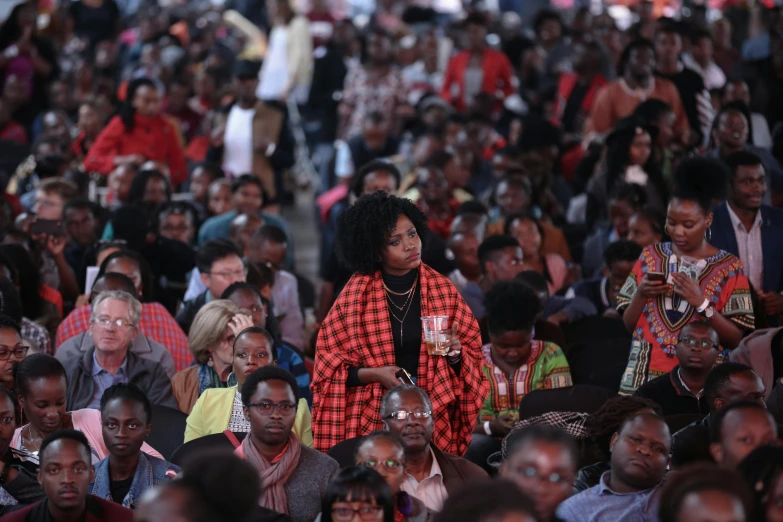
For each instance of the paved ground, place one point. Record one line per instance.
(301, 221)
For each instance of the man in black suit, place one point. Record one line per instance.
(751, 230)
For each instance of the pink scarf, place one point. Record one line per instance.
(274, 475)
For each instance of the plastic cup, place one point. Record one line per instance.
(437, 334)
(689, 266)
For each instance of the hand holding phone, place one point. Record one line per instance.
(653, 284)
(404, 377)
(47, 227)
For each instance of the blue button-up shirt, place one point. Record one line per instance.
(103, 379)
(601, 504)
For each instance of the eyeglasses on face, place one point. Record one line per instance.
(403, 415)
(530, 472)
(268, 408)
(19, 352)
(389, 464)
(230, 273)
(107, 322)
(346, 514)
(703, 343)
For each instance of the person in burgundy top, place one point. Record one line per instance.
(138, 134)
(65, 474)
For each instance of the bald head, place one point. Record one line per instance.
(113, 281)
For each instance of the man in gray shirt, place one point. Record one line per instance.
(630, 490)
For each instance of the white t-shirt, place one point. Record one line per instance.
(238, 142)
(274, 73)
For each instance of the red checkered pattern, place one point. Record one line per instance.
(357, 332)
(156, 323)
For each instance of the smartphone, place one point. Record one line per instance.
(656, 276)
(49, 227)
(404, 377)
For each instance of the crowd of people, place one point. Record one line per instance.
(549, 282)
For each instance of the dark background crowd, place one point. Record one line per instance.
(227, 227)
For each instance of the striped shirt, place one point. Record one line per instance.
(750, 251)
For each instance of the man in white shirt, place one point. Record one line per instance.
(253, 139)
(430, 474)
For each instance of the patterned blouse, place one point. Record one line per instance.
(547, 368)
(237, 422)
(366, 96)
(721, 280)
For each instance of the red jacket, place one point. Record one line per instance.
(566, 86)
(98, 510)
(496, 78)
(154, 138)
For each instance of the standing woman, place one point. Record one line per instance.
(658, 299)
(288, 65)
(138, 134)
(374, 330)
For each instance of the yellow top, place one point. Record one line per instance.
(212, 412)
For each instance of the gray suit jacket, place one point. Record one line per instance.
(143, 346)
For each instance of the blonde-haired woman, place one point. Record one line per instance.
(211, 342)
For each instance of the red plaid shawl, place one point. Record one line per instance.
(357, 332)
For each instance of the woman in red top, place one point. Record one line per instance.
(477, 69)
(139, 133)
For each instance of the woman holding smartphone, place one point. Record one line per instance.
(660, 296)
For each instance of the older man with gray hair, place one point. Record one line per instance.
(111, 360)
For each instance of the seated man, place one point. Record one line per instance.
(629, 490)
(514, 362)
(542, 461)
(127, 473)
(113, 327)
(219, 265)
(556, 308)
(248, 198)
(727, 382)
(65, 474)
(680, 391)
(293, 477)
(247, 296)
(738, 429)
(141, 345)
(464, 246)
(500, 259)
(430, 474)
(269, 247)
(620, 257)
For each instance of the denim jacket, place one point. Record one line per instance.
(150, 472)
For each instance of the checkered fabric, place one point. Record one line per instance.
(358, 333)
(573, 423)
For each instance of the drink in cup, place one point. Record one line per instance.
(437, 334)
(689, 267)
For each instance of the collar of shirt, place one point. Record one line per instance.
(434, 470)
(97, 369)
(679, 385)
(737, 224)
(605, 292)
(604, 489)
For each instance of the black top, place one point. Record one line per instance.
(574, 106)
(407, 341)
(689, 84)
(119, 489)
(97, 24)
(669, 392)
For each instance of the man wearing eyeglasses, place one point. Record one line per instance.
(113, 327)
(220, 265)
(430, 474)
(679, 391)
(294, 477)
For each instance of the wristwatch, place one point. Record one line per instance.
(706, 309)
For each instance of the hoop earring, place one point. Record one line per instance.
(708, 234)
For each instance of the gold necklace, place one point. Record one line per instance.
(400, 308)
(409, 303)
(403, 293)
